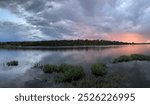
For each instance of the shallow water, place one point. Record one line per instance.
(137, 73)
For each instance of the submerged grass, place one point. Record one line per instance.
(12, 63)
(132, 57)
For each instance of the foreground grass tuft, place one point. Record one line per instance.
(99, 69)
(70, 73)
(12, 63)
(109, 81)
(64, 67)
(48, 68)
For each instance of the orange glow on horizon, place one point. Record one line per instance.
(129, 37)
(90, 32)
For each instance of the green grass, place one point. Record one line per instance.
(64, 67)
(122, 58)
(12, 63)
(99, 69)
(48, 68)
(132, 57)
(109, 81)
(73, 76)
(70, 73)
(139, 57)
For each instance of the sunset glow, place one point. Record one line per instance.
(129, 37)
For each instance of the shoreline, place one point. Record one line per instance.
(67, 47)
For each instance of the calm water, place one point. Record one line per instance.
(137, 73)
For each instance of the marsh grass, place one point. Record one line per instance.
(70, 73)
(139, 57)
(49, 68)
(12, 63)
(122, 58)
(99, 69)
(132, 57)
(73, 76)
(65, 67)
(109, 81)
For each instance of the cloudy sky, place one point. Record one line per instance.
(123, 20)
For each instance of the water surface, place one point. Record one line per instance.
(137, 73)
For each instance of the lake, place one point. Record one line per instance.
(136, 73)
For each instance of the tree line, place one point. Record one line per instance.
(63, 43)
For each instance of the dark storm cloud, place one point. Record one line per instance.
(58, 19)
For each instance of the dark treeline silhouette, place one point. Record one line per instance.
(62, 43)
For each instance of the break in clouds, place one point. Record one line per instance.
(123, 20)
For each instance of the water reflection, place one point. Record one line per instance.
(137, 73)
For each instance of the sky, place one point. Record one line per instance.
(33, 20)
